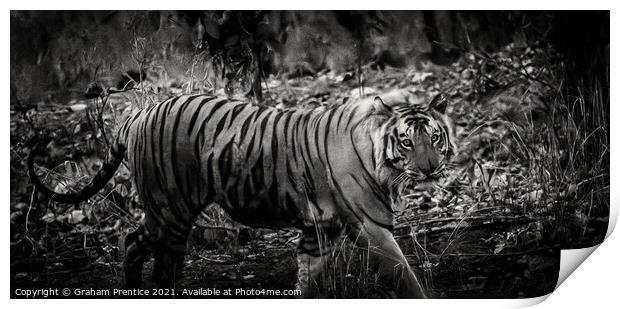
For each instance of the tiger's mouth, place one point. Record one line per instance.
(415, 179)
(422, 177)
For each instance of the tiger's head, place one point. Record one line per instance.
(412, 144)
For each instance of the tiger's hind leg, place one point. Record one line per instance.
(313, 252)
(136, 251)
(167, 267)
(158, 269)
(170, 248)
(169, 253)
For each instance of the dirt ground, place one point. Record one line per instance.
(269, 263)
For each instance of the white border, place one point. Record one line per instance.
(310, 5)
(594, 283)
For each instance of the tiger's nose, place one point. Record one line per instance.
(427, 171)
(428, 165)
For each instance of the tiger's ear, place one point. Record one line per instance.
(439, 103)
(380, 107)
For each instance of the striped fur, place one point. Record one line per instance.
(321, 170)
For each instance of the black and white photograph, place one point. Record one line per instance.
(344, 154)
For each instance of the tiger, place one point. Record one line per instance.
(327, 172)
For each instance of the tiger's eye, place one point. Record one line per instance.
(434, 138)
(406, 143)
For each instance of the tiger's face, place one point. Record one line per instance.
(416, 142)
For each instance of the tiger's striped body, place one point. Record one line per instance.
(264, 166)
(316, 170)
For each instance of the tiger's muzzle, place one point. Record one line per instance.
(420, 175)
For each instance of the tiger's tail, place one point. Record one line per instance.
(111, 164)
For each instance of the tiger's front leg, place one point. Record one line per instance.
(313, 252)
(387, 260)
